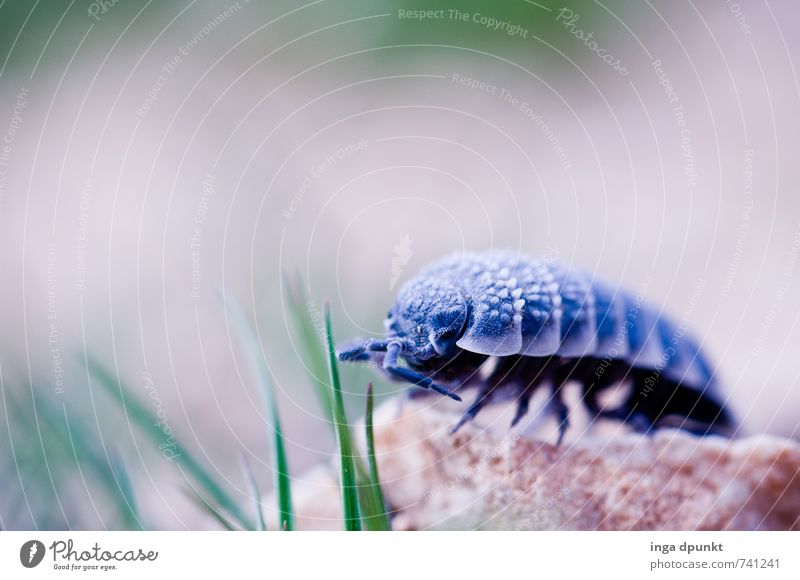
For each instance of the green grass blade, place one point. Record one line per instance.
(347, 483)
(208, 508)
(248, 339)
(375, 518)
(299, 306)
(75, 445)
(45, 460)
(149, 424)
(315, 357)
(251, 480)
(126, 489)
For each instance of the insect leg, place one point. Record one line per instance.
(671, 404)
(361, 351)
(522, 406)
(628, 413)
(418, 379)
(528, 375)
(561, 411)
(590, 399)
(571, 370)
(483, 397)
(632, 411)
(597, 376)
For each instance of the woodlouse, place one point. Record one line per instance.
(543, 323)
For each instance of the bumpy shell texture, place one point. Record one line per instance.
(521, 305)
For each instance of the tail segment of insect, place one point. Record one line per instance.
(543, 324)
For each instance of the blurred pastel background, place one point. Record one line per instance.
(153, 153)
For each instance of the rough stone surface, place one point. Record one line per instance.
(497, 479)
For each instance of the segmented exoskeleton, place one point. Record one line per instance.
(547, 324)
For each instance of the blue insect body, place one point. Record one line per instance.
(543, 323)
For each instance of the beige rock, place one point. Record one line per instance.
(486, 478)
